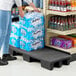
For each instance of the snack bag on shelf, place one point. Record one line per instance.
(61, 42)
(69, 38)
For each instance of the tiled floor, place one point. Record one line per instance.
(23, 68)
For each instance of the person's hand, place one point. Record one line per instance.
(34, 7)
(36, 10)
(21, 13)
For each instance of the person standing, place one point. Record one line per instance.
(5, 27)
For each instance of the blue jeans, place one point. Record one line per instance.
(5, 30)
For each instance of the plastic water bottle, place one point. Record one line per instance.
(37, 3)
(41, 4)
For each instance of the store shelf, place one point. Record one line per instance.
(71, 50)
(60, 13)
(62, 32)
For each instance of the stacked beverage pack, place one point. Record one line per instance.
(15, 35)
(32, 31)
(61, 42)
(62, 23)
(16, 28)
(62, 5)
(14, 40)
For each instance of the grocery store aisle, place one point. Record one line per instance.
(23, 68)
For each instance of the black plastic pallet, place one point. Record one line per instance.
(49, 58)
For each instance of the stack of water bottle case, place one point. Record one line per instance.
(28, 33)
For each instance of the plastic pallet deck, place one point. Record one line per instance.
(73, 57)
(49, 58)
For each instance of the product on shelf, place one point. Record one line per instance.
(69, 37)
(73, 5)
(72, 35)
(62, 23)
(62, 5)
(61, 42)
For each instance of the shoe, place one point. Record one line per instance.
(8, 57)
(3, 62)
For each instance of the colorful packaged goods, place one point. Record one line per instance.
(28, 33)
(61, 42)
(62, 5)
(33, 27)
(15, 34)
(33, 44)
(16, 28)
(62, 23)
(14, 40)
(73, 39)
(32, 31)
(73, 5)
(34, 19)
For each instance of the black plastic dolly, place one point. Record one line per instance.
(49, 58)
